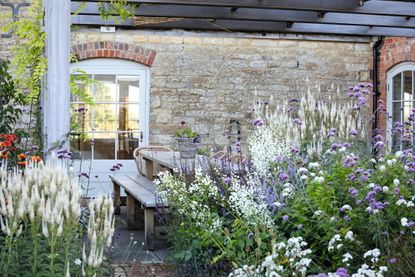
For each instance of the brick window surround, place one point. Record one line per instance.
(394, 50)
(113, 50)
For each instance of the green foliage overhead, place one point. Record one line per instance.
(29, 63)
(116, 10)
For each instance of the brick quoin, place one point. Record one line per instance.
(393, 51)
(117, 50)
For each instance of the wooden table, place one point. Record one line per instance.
(166, 159)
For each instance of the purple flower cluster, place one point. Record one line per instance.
(353, 133)
(353, 192)
(373, 203)
(258, 122)
(360, 92)
(84, 174)
(116, 167)
(64, 154)
(378, 142)
(350, 161)
(295, 150)
(341, 272)
(297, 121)
(336, 146)
(332, 132)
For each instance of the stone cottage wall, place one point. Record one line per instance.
(210, 79)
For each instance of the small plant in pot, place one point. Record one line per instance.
(188, 142)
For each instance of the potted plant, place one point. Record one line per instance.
(188, 142)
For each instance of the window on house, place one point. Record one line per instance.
(401, 90)
(115, 124)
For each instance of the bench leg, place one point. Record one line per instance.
(149, 169)
(149, 227)
(117, 200)
(130, 211)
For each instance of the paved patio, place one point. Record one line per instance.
(130, 256)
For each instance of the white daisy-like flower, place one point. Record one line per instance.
(396, 182)
(404, 221)
(349, 236)
(78, 261)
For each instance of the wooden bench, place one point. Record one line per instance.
(143, 190)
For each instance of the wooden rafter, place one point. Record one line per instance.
(355, 17)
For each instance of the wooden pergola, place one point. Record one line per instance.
(343, 17)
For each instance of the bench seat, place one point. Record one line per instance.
(143, 190)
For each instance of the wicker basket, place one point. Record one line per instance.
(187, 147)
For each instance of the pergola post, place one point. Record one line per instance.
(56, 90)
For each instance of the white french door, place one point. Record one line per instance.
(105, 133)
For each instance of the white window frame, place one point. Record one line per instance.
(406, 66)
(123, 67)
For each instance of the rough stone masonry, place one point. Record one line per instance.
(208, 79)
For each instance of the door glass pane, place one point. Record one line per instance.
(80, 115)
(407, 86)
(129, 116)
(81, 87)
(127, 142)
(105, 89)
(104, 146)
(128, 88)
(397, 87)
(81, 147)
(105, 117)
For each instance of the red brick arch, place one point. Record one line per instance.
(394, 51)
(117, 50)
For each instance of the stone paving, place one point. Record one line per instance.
(129, 256)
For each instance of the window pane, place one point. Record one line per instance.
(397, 111)
(105, 117)
(104, 146)
(129, 117)
(81, 87)
(407, 86)
(81, 145)
(397, 87)
(80, 118)
(129, 88)
(105, 90)
(407, 110)
(127, 142)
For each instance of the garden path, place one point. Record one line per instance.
(129, 255)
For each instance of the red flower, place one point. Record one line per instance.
(21, 156)
(10, 137)
(7, 143)
(22, 163)
(36, 158)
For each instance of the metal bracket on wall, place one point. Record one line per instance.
(15, 13)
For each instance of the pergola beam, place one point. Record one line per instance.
(392, 8)
(186, 11)
(252, 26)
